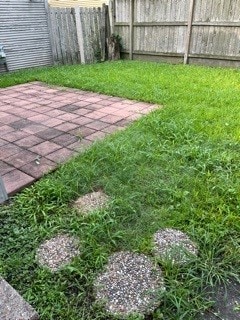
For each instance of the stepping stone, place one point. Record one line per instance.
(57, 252)
(91, 202)
(129, 285)
(174, 245)
(13, 306)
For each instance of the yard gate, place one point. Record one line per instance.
(24, 33)
(189, 31)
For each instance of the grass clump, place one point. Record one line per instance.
(177, 168)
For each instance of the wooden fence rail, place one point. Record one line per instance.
(198, 31)
(78, 35)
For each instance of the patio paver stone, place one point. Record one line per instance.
(49, 123)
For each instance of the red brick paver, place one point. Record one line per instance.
(41, 127)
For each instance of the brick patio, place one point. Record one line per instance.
(42, 126)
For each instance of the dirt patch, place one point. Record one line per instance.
(226, 300)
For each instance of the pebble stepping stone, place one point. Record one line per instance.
(57, 252)
(91, 202)
(174, 245)
(129, 285)
(13, 306)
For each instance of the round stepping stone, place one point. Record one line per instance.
(91, 202)
(129, 285)
(174, 245)
(57, 252)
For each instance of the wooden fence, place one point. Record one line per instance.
(189, 31)
(78, 35)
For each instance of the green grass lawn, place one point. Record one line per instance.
(177, 167)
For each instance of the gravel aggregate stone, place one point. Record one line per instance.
(174, 245)
(91, 201)
(57, 251)
(129, 285)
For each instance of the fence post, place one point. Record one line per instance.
(80, 34)
(189, 30)
(112, 15)
(108, 27)
(3, 192)
(131, 31)
(47, 9)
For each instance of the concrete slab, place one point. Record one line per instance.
(3, 192)
(13, 306)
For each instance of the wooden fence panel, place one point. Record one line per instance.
(79, 34)
(159, 25)
(192, 30)
(122, 15)
(217, 10)
(160, 10)
(216, 29)
(164, 39)
(216, 41)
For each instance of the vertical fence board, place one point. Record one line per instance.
(52, 35)
(90, 19)
(64, 36)
(71, 35)
(68, 37)
(103, 25)
(131, 29)
(57, 36)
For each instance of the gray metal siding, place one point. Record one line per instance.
(24, 33)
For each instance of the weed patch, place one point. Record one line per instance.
(175, 168)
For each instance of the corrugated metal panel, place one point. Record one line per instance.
(24, 33)
(77, 3)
